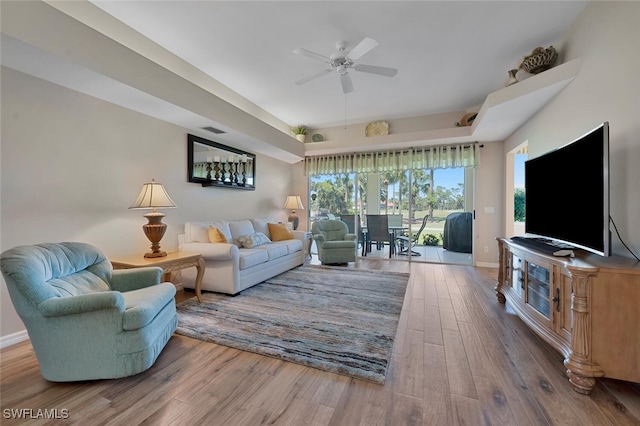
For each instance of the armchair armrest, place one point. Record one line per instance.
(319, 238)
(133, 279)
(59, 306)
(350, 237)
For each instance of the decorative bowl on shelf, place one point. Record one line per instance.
(377, 128)
(541, 59)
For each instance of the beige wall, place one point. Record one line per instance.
(488, 200)
(606, 38)
(73, 164)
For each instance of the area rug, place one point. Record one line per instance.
(331, 318)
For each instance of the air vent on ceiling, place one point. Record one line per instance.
(213, 130)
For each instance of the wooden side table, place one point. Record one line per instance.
(173, 261)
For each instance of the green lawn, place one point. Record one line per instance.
(434, 226)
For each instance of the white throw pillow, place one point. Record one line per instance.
(253, 240)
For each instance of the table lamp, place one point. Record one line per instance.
(153, 196)
(293, 202)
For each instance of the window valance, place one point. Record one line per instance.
(432, 157)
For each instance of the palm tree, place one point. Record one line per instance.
(421, 185)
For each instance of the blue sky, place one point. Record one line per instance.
(518, 170)
(449, 178)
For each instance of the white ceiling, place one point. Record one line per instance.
(450, 54)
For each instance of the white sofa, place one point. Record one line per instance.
(230, 268)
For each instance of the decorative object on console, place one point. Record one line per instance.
(539, 60)
(153, 196)
(212, 164)
(293, 202)
(513, 79)
(377, 128)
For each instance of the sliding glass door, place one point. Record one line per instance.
(416, 202)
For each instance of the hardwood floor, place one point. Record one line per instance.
(460, 358)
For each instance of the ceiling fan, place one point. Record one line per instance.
(343, 60)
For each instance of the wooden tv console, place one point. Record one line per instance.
(587, 307)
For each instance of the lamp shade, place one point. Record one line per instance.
(293, 202)
(151, 196)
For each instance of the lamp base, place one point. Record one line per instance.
(155, 254)
(294, 219)
(154, 230)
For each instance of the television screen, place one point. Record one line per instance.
(567, 193)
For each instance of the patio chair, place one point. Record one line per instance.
(378, 231)
(404, 240)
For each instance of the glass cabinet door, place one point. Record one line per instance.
(517, 277)
(538, 293)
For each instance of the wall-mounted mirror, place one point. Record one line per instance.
(212, 164)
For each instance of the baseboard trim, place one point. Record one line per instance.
(12, 339)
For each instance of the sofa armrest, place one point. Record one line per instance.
(59, 306)
(299, 235)
(133, 279)
(211, 251)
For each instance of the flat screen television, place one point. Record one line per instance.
(567, 193)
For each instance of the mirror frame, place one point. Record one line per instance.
(243, 165)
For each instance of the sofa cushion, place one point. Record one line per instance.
(279, 232)
(275, 251)
(261, 225)
(253, 240)
(339, 244)
(252, 257)
(292, 246)
(240, 228)
(141, 306)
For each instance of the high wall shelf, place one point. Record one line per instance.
(502, 112)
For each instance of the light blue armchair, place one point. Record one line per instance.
(85, 320)
(335, 245)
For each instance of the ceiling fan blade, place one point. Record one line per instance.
(362, 48)
(312, 55)
(347, 86)
(373, 69)
(313, 76)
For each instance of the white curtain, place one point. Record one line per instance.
(433, 157)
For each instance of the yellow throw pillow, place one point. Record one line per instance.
(279, 232)
(216, 236)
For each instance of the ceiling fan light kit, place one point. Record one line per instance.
(342, 61)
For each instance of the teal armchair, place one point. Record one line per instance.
(335, 245)
(85, 320)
